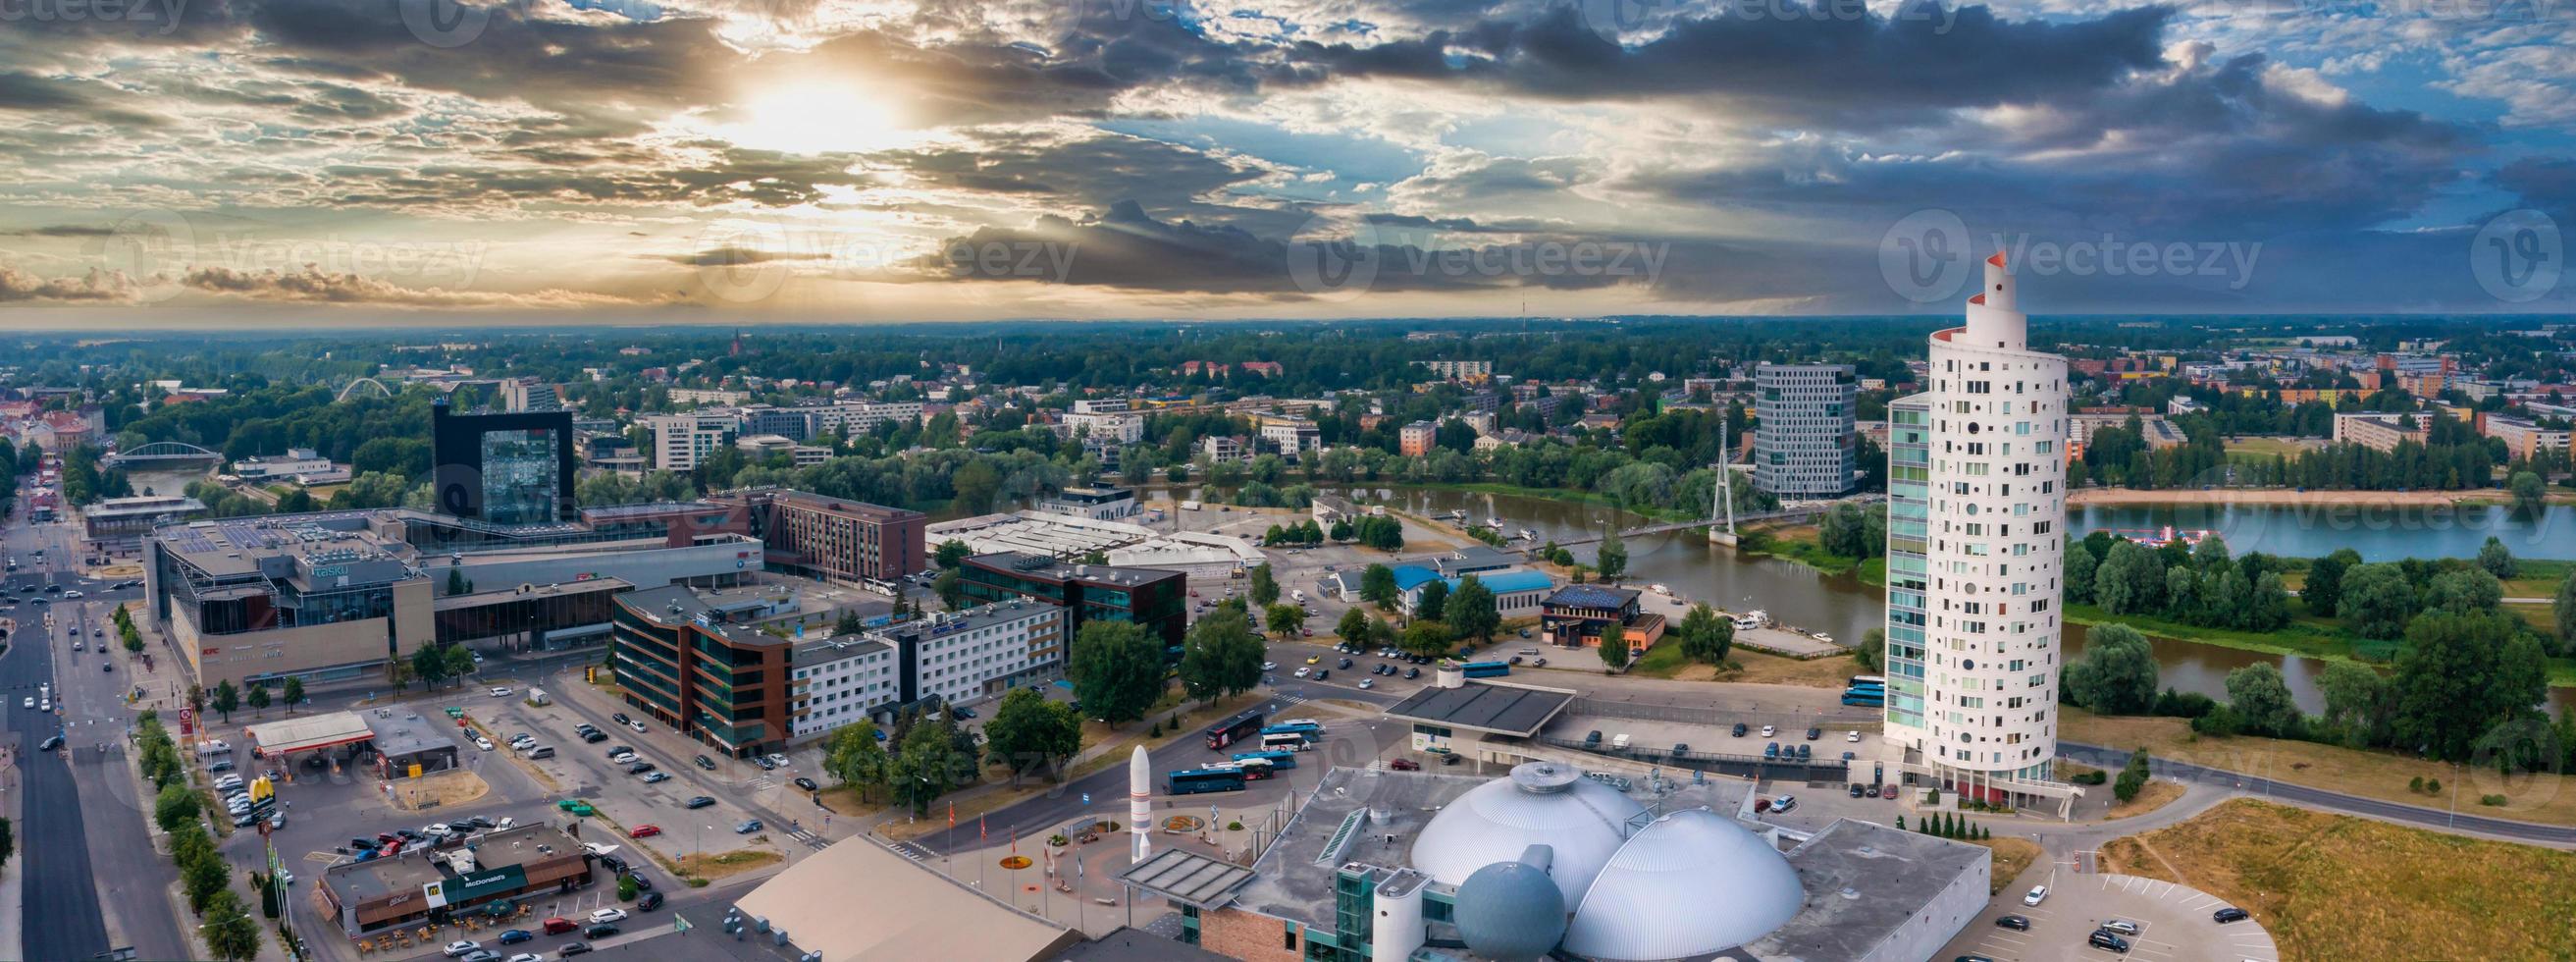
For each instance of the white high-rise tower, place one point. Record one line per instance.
(1976, 546)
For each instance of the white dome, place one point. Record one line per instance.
(1692, 883)
(1582, 821)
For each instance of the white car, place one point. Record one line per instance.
(638, 726)
(71, 594)
(1768, 731)
(1852, 737)
(483, 743)
(1368, 682)
(526, 957)
(607, 915)
(622, 758)
(1303, 671)
(502, 823)
(2038, 894)
(437, 828)
(1270, 666)
(462, 946)
(500, 691)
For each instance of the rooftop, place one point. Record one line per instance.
(400, 731)
(1863, 880)
(1042, 567)
(1188, 877)
(910, 912)
(1592, 596)
(407, 872)
(1485, 706)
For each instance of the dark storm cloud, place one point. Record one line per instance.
(2546, 184)
(1855, 71)
(1128, 249)
(72, 99)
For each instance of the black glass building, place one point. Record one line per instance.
(504, 468)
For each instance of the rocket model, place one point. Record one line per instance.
(1140, 805)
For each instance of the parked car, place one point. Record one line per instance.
(2103, 939)
(1405, 765)
(600, 931)
(1815, 733)
(2036, 895)
(656, 778)
(516, 936)
(638, 726)
(807, 784)
(612, 914)
(747, 828)
(2122, 926)
(559, 925)
(1738, 730)
(1768, 731)
(701, 801)
(704, 762)
(460, 947)
(650, 901)
(501, 691)
(571, 949)
(2229, 914)
(646, 830)
(2013, 922)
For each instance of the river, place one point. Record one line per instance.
(1840, 605)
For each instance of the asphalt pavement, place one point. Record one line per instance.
(52, 829)
(2112, 759)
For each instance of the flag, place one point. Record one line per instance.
(982, 832)
(1015, 841)
(952, 815)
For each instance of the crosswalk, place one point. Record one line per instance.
(811, 840)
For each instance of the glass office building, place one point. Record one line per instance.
(503, 468)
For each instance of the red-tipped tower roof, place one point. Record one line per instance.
(1997, 260)
(1979, 299)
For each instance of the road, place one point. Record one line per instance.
(80, 821)
(2109, 759)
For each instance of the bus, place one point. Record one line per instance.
(1276, 759)
(1295, 727)
(1284, 742)
(1871, 697)
(1486, 669)
(1192, 781)
(1860, 680)
(1235, 729)
(1253, 769)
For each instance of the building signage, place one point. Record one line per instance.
(470, 887)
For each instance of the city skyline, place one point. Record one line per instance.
(316, 161)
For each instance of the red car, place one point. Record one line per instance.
(644, 831)
(1405, 765)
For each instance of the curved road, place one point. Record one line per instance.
(2109, 759)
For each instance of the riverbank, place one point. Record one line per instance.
(2306, 636)
(1802, 543)
(2161, 497)
(2537, 797)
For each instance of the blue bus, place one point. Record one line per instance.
(1276, 759)
(1485, 669)
(1312, 730)
(1861, 680)
(1873, 698)
(1195, 780)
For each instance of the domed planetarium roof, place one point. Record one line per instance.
(1691, 883)
(1511, 911)
(1543, 803)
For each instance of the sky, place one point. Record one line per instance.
(219, 163)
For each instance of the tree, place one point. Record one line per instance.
(1221, 656)
(1471, 610)
(1433, 602)
(2269, 609)
(857, 758)
(2081, 567)
(928, 764)
(2376, 600)
(1356, 626)
(2529, 493)
(1871, 656)
(456, 584)
(258, 700)
(2566, 612)
(2131, 579)
(976, 483)
(132, 637)
(229, 931)
(1377, 585)
(294, 692)
(2133, 777)
(202, 876)
(950, 586)
(1029, 732)
(951, 553)
(1284, 619)
(226, 699)
(2357, 702)
(1265, 587)
(1117, 670)
(2497, 559)
(849, 623)
(175, 806)
(2117, 675)
(2324, 590)
(460, 661)
(2465, 592)
(429, 664)
(1426, 638)
(2262, 700)
(2449, 684)
(1612, 558)
(1705, 636)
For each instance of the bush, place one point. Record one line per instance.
(2091, 778)
(2221, 722)
(626, 889)
(2433, 786)
(2415, 784)
(2129, 785)
(2490, 799)
(1234, 826)
(2174, 704)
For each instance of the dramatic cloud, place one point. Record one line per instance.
(1094, 158)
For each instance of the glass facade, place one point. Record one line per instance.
(520, 481)
(1909, 460)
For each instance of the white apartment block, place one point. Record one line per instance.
(1223, 450)
(969, 655)
(1291, 435)
(1455, 370)
(680, 441)
(1975, 537)
(707, 395)
(1117, 426)
(1103, 406)
(841, 681)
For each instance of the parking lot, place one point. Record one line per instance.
(2173, 923)
(582, 769)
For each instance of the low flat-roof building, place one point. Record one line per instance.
(909, 911)
(123, 522)
(406, 744)
(432, 884)
(1158, 600)
(1582, 616)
